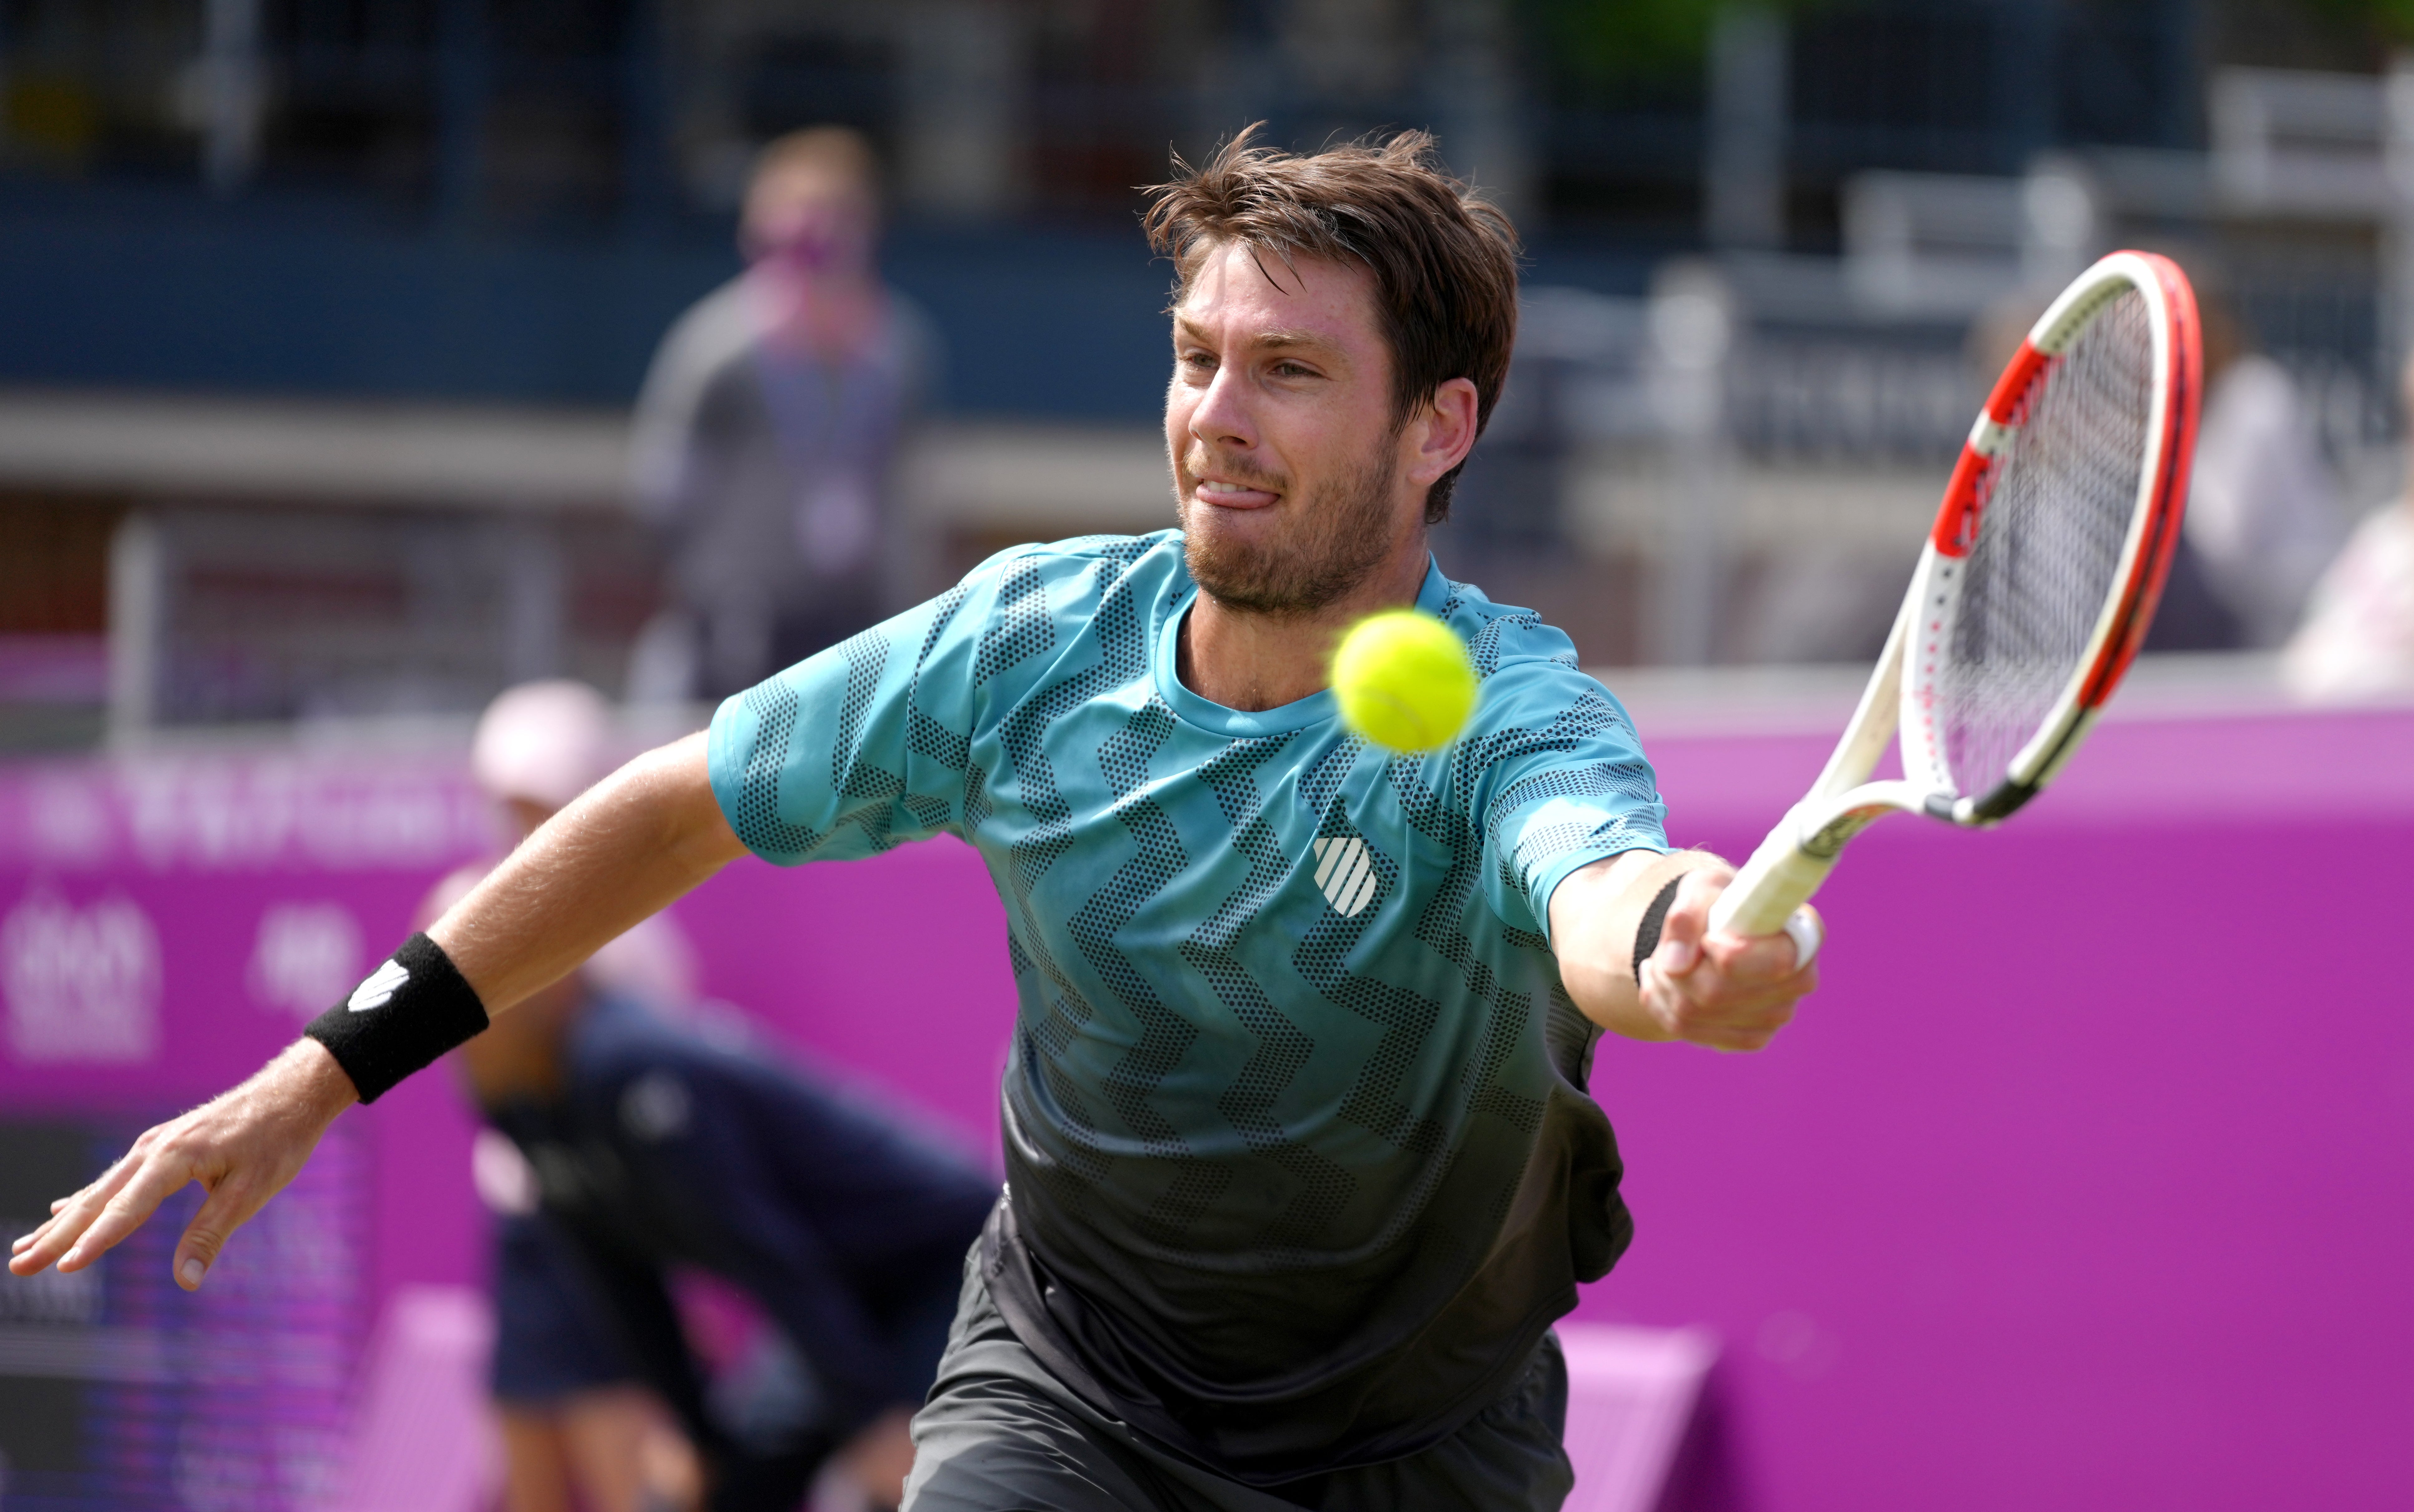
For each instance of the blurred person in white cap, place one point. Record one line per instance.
(624, 1147)
(576, 1427)
(767, 433)
(541, 744)
(536, 747)
(2357, 643)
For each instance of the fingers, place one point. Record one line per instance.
(1724, 991)
(84, 1228)
(1702, 1013)
(227, 1209)
(72, 1216)
(23, 1242)
(45, 1245)
(163, 1173)
(242, 1146)
(1760, 957)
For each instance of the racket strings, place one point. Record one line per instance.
(2056, 515)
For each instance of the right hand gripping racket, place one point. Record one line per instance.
(2033, 591)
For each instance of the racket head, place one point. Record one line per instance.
(2054, 537)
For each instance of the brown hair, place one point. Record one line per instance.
(1444, 263)
(834, 148)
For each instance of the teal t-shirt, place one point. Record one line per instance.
(1295, 1114)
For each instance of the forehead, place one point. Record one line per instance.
(805, 182)
(1242, 292)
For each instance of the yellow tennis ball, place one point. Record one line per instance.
(1404, 681)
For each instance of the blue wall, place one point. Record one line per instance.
(164, 290)
(159, 288)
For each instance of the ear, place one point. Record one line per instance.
(1444, 434)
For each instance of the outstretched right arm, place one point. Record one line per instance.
(638, 839)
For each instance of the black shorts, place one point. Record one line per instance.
(999, 1432)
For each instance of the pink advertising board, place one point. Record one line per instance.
(2084, 1181)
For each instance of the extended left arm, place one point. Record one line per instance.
(1723, 990)
(634, 843)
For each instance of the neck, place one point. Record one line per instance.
(829, 312)
(1252, 660)
(524, 1073)
(519, 1058)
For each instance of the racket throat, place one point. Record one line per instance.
(1800, 852)
(1823, 827)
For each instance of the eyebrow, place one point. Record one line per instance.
(1277, 338)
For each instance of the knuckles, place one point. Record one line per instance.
(1726, 1013)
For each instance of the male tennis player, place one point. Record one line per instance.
(1301, 1164)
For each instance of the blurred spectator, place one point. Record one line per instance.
(2263, 514)
(2357, 638)
(2263, 510)
(536, 747)
(625, 1144)
(768, 429)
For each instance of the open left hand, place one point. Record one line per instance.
(244, 1146)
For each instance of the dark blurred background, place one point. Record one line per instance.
(319, 318)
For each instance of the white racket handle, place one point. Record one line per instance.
(1779, 877)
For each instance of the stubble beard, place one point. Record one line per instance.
(1331, 542)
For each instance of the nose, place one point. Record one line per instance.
(1221, 419)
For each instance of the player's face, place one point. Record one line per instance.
(1288, 469)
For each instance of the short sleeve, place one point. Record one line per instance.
(862, 747)
(1567, 784)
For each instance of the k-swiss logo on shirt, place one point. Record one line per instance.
(1345, 869)
(380, 988)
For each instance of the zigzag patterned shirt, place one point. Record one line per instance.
(1301, 1158)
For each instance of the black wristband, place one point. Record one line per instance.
(409, 1011)
(1646, 934)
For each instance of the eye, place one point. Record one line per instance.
(1288, 368)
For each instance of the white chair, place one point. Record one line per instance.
(1630, 1396)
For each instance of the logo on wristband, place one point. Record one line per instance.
(380, 988)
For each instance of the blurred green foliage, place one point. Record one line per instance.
(2392, 20)
(1615, 40)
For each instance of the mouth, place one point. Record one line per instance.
(1231, 495)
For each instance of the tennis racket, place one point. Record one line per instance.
(2034, 590)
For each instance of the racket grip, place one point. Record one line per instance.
(1779, 877)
